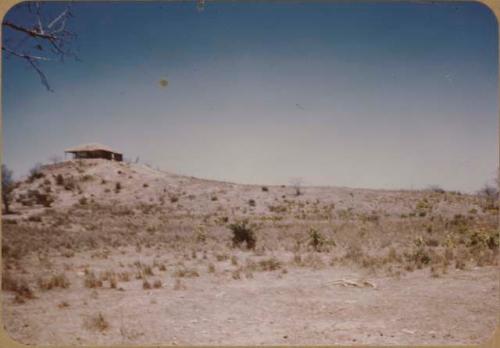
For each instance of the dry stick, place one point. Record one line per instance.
(346, 282)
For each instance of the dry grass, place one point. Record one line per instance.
(63, 304)
(97, 323)
(211, 268)
(17, 285)
(270, 264)
(179, 285)
(146, 285)
(186, 273)
(91, 281)
(319, 232)
(54, 281)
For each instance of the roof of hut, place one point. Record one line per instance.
(91, 147)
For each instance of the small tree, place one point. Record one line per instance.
(54, 159)
(36, 172)
(490, 193)
(296, 183)
(7, 187)
(436, 189)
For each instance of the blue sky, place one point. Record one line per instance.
(379, 95)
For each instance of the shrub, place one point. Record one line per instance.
(432, 242)
(277, 209)
(59, 180)
(148, 270)
(35, 173)
(234, 260)
(56, 281)
(484, 239)
(186, 273)
(201, 235)
(436, 189)
(118, 187)
(124, 276)
(87, 177)
(270, 264)
(18, 286)
(222, 257)
(236, 274)
(69, 184)
(63, 304)
(265, 189)
(179, 285)
(354, 252)
(243, 233)
(97, 322)
(146, 285)
(34, 218)
(316, 239)
(419, 257)
(251, 202)
(91, 281)
(40, 198)
(460, 264)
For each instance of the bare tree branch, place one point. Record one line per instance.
(48, 38)
(30, 32)
(24, 56)
(41, 74)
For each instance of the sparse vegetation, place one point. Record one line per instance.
(7, 187)
(146, 285)
(270, 264)
(135, 238)
(97, 323)
(54, 281)
(186, 273)
(36, 173)
(91, 281)
(17, 285)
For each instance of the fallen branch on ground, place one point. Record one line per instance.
(352, 283)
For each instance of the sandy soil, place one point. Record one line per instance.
(300, 307)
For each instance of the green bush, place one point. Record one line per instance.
(243, 232)
(316, 239)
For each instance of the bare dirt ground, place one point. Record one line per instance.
(100, 252)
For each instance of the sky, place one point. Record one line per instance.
(395, 95)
